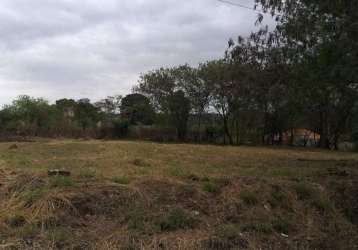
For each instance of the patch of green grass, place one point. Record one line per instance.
(248, 197)
(175, 171)
(176, 219)
(323, 204)
(62, 181)
(210, 187)
(32, 196)
(136, 219)
(282, 225)
(228, 232)
(123, 180)
(59, 235)
(259, 227)
(28, 231)
(87, 173)
(277, 197)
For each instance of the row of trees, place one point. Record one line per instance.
(110, 117)
(303, 74)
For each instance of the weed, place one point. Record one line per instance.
(248, 197)
(277, 197)
(87, 173)
(59, 235)
(228, 232)
(62, 181)
(32, 196)
(282, 225)
(123, 180)
(210, 187)
(28, 231)
(265, 228)
(176, 219)
(176, 171)
(323, 204)
(136, 218)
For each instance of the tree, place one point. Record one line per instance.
(86, 114)
(157, 85)
(179, 108)
(324, 36)
(28, 115)
(190, 80)
(110, 105)
(217, 75)
(137, 109)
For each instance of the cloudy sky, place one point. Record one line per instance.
(92, 48)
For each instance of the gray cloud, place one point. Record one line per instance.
(88, 48)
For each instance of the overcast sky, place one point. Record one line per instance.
(95, 48)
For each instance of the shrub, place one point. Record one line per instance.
(121, 128)
(210, 187)
(248, 197)
(176, 219)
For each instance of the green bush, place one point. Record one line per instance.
(121, 128)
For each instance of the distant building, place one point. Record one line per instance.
(296, 136)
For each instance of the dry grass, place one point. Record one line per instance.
(139, 195)
(137, 159)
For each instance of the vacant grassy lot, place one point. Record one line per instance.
(139, 195)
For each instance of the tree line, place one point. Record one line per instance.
(302, 74)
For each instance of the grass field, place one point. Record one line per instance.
(141, 195)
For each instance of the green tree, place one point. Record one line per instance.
(179, 109)
(137, 109)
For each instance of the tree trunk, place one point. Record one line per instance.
(199, 126)
(227, 130)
